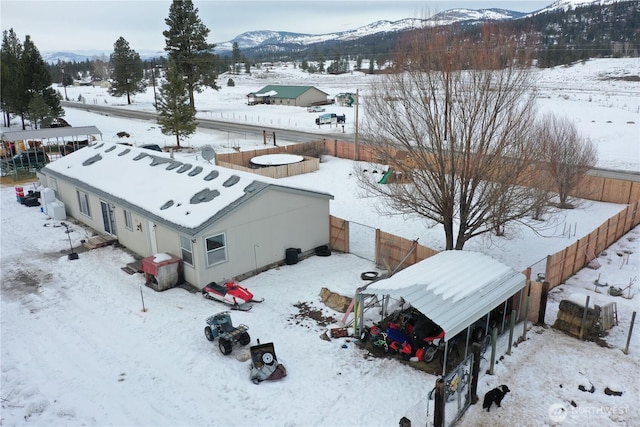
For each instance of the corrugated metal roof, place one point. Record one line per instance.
(453, 288)
(286, 92)
(48, 133)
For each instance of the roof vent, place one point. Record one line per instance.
(233, 179)
(211, 176)
(159, 161)
(173, 165)
(184, 168)
(92, 160)
(125, 151)
(166, 205)
(204, 196)
(195, 171)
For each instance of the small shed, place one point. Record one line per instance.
(299, 96)
(453, 288)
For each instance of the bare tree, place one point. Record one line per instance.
(463, 112)
(567, 155)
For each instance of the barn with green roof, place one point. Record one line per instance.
(297, 96)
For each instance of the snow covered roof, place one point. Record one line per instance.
(453, 288)
(286, 92)
(189, 197)
(268, 93)
(47, 133)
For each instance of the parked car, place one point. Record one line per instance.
(315, 109)
(330, 118)
(30, 159)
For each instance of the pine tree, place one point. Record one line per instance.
(11, 75)
(187, 46)
(236, 57)
(175, 114)
(128, 72)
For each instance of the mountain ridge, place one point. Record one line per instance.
(270, 40)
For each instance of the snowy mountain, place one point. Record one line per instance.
(254, 39)
(572, 4)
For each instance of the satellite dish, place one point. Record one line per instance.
(208, 153)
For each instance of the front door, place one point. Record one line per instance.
(108, 217)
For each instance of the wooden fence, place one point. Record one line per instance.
(242, 161)
(564, 264)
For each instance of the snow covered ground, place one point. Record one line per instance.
(78, 349)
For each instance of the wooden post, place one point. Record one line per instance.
(494, 338)
(526, 316)
(543, 302)
(476, 348)
(633, 320)
(511, 326)
(438, 413)
(584, 317)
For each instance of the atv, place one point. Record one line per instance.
(231, 293)
(220, 325)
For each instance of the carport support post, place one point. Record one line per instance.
(476, 348)
(511, 326)
(438, 413)
(494, 338)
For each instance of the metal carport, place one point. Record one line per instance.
(452, 288)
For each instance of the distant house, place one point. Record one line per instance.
(299, 96)
(222, 223)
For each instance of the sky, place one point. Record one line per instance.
(77, 348)
(74, 26)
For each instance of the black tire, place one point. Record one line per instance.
(369, 275)
(429, 354)
(209, 333)
(244, 338)
(224, 346)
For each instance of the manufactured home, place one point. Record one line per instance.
(221, 223)
(298, 96)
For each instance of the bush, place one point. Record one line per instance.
(231, 83)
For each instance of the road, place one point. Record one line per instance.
(284, 134)
(241, 128)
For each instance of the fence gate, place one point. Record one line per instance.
(457, 391)
(362, 241)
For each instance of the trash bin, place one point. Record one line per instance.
(291, 256)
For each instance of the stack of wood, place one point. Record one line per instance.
(571, 316)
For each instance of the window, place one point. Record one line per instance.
(83, 202)
(216, 249)
(127, 220)
(187, 250)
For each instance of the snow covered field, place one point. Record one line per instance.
(77, 348)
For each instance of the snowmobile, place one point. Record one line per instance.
(232, 294)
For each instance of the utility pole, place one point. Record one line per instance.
(153, 82)
(64, 85)
(355, 148)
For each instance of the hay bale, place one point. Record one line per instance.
(335, 301)
(569, 320)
